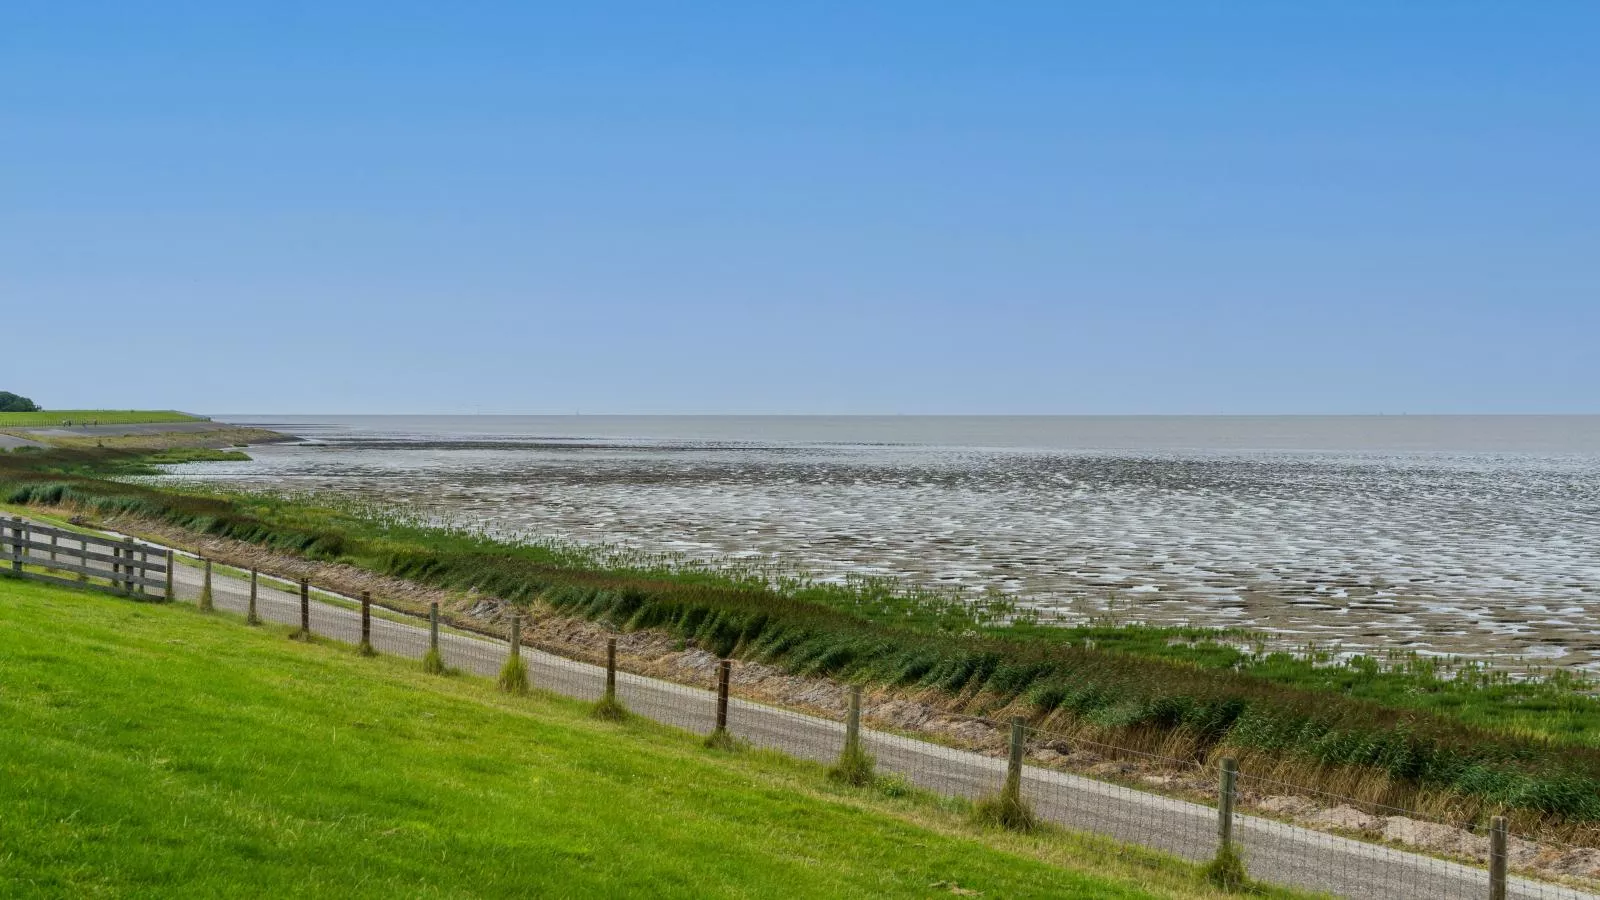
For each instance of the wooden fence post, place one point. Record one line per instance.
(206, 602)
(855, 765)
(852, 719)
(724, 671)
(432, 662)
(132, 572)
(366, 624)
(16, 543)
(170, 594)
(1497, 858)
(305, 608)
(514, 675)
(1014, 759)
(54, 540)
(611, 670)
(251, 617)
(1225, 797)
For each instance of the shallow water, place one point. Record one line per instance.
(1470, 535)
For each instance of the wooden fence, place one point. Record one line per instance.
(122, 567)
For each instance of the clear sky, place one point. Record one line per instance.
(891, 207)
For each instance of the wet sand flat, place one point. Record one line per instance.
(1493, 555)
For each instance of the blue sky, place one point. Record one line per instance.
(1199, 207)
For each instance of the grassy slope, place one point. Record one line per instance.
(149, 748)
(51, 417)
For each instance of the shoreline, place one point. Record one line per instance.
(1155, 700)
(918, 715)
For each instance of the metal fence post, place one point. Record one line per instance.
(611, 670)
(1497, 858)
(724, 671)
(366, 623)
(205, 588)
(170, 594)
(1225, 796)
(251, 617)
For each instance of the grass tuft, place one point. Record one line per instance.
(610, 709)
(513, 676)
(433, 663)
(855, 766)
(1006, 810)
(722, 740)
(1227, 870)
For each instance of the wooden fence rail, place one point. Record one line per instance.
(32, 551)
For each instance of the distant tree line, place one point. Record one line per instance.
(10, 402)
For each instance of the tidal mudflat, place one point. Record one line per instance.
(1490, 554)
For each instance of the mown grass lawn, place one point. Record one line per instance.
(158, 751)
(52, 417)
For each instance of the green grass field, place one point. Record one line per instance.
(52, 417)
(148, 749)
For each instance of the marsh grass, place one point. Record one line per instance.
(196, 454)
(1407, 732)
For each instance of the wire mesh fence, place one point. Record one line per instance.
(1163, 803)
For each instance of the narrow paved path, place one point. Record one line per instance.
(1274, 852)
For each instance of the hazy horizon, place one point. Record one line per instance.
(1512, 434)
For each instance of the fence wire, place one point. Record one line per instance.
(1104, 802)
